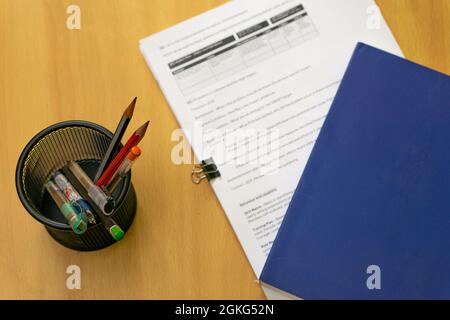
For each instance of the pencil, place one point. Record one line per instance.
(135, 138)
(117, 137)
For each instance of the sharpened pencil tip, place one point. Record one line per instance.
(130, 110)
(142, 129)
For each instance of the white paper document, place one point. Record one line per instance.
(251, 83)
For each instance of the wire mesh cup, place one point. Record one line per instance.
(50, 150)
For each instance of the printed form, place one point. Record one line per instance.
(265, 67)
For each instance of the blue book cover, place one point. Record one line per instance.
(370, 218)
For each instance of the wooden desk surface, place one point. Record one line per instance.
(181, 245)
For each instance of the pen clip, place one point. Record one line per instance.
(207, 169)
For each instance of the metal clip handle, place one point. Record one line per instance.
(207, 169)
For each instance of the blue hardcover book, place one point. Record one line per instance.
(370, 218)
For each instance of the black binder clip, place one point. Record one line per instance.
(205, 170)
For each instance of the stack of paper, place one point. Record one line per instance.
(251, 83)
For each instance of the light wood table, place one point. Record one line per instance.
(180, 245)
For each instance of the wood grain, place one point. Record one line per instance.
(181, 245)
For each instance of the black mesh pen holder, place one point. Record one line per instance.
(50, 150)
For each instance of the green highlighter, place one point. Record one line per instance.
(113, 228)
